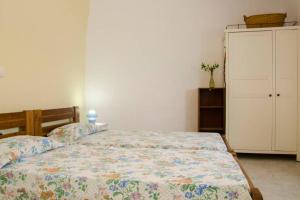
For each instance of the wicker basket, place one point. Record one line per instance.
(265, 20)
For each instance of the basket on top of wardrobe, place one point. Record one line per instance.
(265, 20)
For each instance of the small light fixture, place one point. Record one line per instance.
(92, 116)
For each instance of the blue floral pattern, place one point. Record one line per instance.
(94, 172)
(15, 148)
(71, 132)
(151, 139)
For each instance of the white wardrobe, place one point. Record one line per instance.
(262, 90)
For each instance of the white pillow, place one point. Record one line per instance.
(17, 147)
(72, 132)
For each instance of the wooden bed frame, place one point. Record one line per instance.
(254, 192)
(31, 123)
(55, 118)
(21, 121)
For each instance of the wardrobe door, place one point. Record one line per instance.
(250, 85)
(286, 90)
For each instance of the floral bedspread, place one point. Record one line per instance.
(150, 139)
(93, 172)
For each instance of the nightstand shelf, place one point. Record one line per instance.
(211, 110)
(211, 129)
(211, 107)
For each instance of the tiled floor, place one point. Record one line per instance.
(278, 177)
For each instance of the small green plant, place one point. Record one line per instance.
(208, 67)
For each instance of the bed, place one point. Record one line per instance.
(89, 169)
(156, 139)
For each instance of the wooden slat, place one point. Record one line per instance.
(56, 117)
(57, 111)
(76, 117)
(10, 116)
(29, 128)
(12, 120)
(14, 123)
(37, 121)
(21, 120)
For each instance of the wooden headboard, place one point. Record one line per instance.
(20, 122)
(47, 120)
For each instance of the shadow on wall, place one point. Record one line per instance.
(191, 111)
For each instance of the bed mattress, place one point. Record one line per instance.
(93, 172)
(151, 139)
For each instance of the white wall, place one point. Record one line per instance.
(143, 57)
(42, 50)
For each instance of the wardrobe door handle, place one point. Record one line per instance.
(270, 95)
(278, 95)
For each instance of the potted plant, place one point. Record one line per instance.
(210, 68)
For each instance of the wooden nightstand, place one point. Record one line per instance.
(211, 110)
